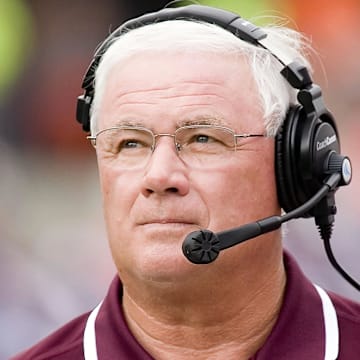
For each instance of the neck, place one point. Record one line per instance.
(230, 319)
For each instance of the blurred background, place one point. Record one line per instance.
(54, 260)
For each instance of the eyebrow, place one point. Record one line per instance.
(202, 120)
(128, 122)
(195, 120)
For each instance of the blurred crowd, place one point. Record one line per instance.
(54, 260)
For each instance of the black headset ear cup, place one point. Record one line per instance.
(302, 145)
(285, 161)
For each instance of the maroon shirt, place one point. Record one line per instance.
(298, 334)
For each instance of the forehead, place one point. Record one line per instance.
(176, 86)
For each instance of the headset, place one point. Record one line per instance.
(307, 146)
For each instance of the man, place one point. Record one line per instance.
(184, 119)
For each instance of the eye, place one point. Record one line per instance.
(133, 141)
(125, 141)
(205, 139)
(208, 137)
(130, 144)
(201, 138)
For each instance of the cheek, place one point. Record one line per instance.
(116, 192)
(108, 179)
(258, 186)
(244, 193)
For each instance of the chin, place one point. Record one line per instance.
(163, 264)
(154, 254)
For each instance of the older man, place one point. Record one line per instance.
(183, 120)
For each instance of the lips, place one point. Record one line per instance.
(166, 221)
(169, 214)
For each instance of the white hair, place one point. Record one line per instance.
(275, 94)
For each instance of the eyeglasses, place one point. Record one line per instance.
(196, 145)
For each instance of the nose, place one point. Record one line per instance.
(166, 172)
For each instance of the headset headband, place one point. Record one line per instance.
(297, 75)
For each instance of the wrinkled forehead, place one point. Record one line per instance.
(179, 87)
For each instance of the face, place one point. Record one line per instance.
(149, 211)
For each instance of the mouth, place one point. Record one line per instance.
(169, 224)
(167, 221)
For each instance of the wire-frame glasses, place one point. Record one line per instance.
(196, 145)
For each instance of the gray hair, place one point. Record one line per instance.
(275, 94)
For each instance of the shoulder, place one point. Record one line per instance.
(348, 315)
(348, 311)
(64, 344)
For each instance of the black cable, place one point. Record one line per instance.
(337, 266)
